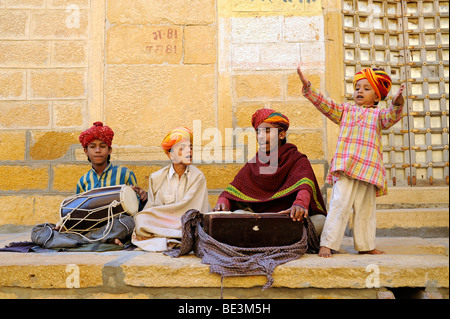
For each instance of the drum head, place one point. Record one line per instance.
(129, 199)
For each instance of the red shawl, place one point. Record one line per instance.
(277, 191)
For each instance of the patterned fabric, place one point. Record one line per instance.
(235, 192)
(271, 117)
(229, 260)
(293, 173)
(111, 176)
(97, 132)
(175, 136)
(378, 79)
(359, 150)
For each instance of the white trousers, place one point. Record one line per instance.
(347, 195)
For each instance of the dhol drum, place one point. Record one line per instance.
(93, 209)
(252, 230)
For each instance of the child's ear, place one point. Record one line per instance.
(282, 135)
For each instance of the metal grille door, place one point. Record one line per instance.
(410, 40)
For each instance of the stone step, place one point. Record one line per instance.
(404, 245)
(411, 197)
(416, 222)
(417, 263)
(415, 197)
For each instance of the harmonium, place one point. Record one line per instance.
(252, 229)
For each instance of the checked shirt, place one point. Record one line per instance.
(359, 150)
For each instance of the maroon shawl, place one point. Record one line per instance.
(277, 191)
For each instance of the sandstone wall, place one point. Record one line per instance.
(144, 67)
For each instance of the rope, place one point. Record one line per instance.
(108, 228)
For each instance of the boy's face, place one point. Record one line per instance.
(98, 152)
(364, 93)
(269, 137)
(182, 152)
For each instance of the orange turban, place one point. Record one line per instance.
(97, 132)
(270, 116)
(175, 136)
(378, 79)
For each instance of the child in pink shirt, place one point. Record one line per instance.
(357, 171)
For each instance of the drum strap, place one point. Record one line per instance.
(108, 226)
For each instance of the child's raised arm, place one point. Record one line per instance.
(326, 106)
(302, 77)
(398, 98)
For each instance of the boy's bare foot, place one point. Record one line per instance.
(118, 242)
(373, 252)
(325, 252)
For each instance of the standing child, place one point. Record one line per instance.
(357, 171)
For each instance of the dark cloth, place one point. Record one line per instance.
(19, 247)
(229, 260)
(30, 247)
(274, 192)
(45, 236)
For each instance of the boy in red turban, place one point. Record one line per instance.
(96, 142)
(357, 170)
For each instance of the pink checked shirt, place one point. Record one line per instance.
(359, 151)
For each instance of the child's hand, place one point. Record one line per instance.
(398, 98)
(302, 77)
(142, 193)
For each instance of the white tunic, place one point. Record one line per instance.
(169, 197)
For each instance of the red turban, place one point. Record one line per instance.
(97, 132)
(378, 79)
(270, 116)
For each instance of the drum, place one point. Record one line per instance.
(252, 230)
(93, 209)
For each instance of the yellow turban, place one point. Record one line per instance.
(175, 136)
(379, 80)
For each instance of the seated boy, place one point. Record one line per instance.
(173, 190)
(96, 142)
(278, 179)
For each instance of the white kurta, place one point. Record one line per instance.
(169, 197)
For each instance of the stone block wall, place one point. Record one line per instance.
(44, 97)
(143, 67)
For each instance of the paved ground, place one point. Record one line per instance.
(417, 263)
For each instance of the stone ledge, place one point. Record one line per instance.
(418, 217)
(422, 263)
(309, 271)
(404, 245)
(407, 222)
(415, 195)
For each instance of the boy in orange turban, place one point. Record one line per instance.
(357, 171)
(173, 190)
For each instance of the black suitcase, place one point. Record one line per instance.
(252, 230)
